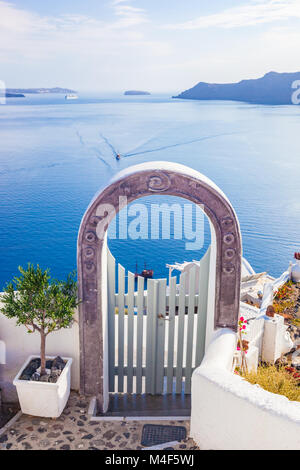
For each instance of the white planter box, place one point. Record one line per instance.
(44, 399)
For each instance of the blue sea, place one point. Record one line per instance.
(53, 159)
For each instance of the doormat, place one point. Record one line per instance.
(154, 434)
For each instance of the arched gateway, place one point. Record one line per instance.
(225, 260)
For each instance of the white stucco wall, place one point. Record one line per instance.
(20, 344)
(229, 413)
(276, 339)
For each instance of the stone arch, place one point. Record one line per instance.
(136, 182)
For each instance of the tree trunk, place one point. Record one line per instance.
(43, 355)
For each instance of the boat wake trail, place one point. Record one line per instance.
(164, 147)
(96, 151)
(145, 142)
(80, 139)
(133, 153)
(108, 143)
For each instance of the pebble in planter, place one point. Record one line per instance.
(42, 305)
(53, 370)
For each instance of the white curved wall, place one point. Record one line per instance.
(229, 413)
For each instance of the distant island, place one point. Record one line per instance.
(272, 89)
(136, 92)
(22, 91)
(14, 95)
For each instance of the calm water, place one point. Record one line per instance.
(53, 161)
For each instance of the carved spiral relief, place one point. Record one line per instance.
(228, 238)
(159, 182)
(228, 269)
(229, 253)
(89, 252)
(89, 267)
(90, 237)
(227, 222)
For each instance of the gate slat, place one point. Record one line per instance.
(180, 333)
(130, 331)
(121, 294)
(202, 307)
(151, 328)
(154, 338)
(171, 332)
(111, 282)
(190, 331)
(160, 336)
(140, 332)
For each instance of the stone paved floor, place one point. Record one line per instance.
(73, 431)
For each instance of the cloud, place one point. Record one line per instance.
(129, 15)
(116, 2)
(128, 50)
(88, 51)
(19, 21)
(255, 13)
(31, 35)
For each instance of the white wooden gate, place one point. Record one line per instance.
(156, 335)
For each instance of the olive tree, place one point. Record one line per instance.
(40, 303)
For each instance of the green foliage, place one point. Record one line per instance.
(296, 321)
(283, 305)
(276, 380)
(40, 303)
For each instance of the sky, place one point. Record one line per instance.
(153, 45)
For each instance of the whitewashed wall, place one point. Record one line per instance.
(228, 413)
(267, 334)
(20, 345)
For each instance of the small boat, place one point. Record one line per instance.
(71, 97)
(147, 273)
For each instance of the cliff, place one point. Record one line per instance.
(273, 89)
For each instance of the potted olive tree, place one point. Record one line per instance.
(42, 305)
